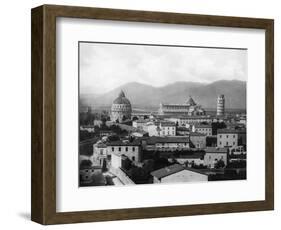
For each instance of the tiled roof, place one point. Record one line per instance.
(238, 131)
(192, 156)
(101, 145)
(197, 134)
(121, 143)
(215, 150)
(176, 139)
(169, 170)
(163, 172)
(203, 126)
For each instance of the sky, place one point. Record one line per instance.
(103, 66)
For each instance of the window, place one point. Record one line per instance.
(226, 136)
(126, 149)
(133, 149)
(233, 136)
(227, 143)
(220, 136)
(112, 149)
(119, 149)
(234, 143)
(220, 142)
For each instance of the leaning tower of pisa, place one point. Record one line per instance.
(220, 105)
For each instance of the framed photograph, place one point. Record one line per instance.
(140, 114)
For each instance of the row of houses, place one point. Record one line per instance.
(116, 150)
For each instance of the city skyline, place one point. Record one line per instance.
(105, 66)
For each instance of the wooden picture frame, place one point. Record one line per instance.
(43, 208)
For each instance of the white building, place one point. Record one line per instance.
(203, 128)
(176, 174)
(130, 149)
(99, 153)
(227, 138)
(213, 155)
(186, 121)
(139, 124)
(160, 128)
(166, 143)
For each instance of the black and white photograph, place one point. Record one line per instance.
(153, 114)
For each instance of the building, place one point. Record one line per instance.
(121, 108)
(160, 128)
(187, 121)
(139, 124)
(190, 108)
(117, 160)
(166, 143)
(99, 153)
(202, 128)
(220, 105)
(177, 173)
(130, 149)
(167, 128)
(88, 128)
(182, 131)
(215, 154)
(197, 140)
(231, 138)
(189, 160)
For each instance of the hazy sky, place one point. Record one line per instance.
(104, 67)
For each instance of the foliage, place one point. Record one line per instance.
(85, 163)
(219, 164)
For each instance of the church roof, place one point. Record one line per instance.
(121, 99)
(190, 101)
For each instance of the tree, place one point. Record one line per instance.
(135, 118)
(104, 167)
(85, 163)
(219, 164)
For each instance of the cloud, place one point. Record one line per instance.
(104, 67)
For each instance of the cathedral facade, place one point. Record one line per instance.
(121, 108)
(190, 108)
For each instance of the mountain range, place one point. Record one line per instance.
(142, 95)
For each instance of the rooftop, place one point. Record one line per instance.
(240, 131)
(163, 172)
(203, 126)
(169, 170)
(101, 145)
(173, 139)
(123, 143)
(216, 150)
(192, 156)
(181, 128)
(197, 134)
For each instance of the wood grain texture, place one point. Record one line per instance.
(44, 114)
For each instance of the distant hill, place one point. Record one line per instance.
(178, 92)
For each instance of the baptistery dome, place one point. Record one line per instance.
(121, 108)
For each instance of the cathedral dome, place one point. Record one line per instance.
(121, 99)
(121, 108)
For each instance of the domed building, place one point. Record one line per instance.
(121, 108)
